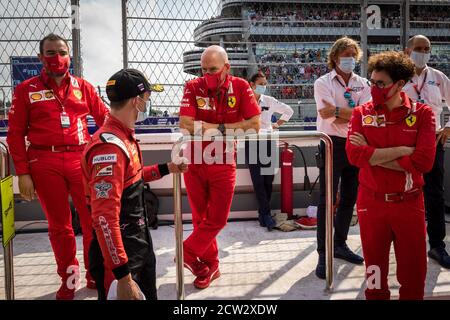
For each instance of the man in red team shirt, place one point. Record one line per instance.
(392, 141)
(215, 102)
(115, 175)
(50, 111)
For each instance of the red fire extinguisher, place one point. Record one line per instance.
(287, 182)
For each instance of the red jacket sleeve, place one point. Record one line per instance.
(249, 107)
(358, 156)
(422, 159)
(188, 103)
(97, 108)
(105, 183)
(18, 130)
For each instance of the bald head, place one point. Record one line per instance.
(214, 58)
(418, 43)
(215, 52)
(215, 64)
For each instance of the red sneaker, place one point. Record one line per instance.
(306, 223)
(64, 293)
(198, 268)
(204, 282)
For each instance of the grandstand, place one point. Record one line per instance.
(289, 41)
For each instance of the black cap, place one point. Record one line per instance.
(128, 83)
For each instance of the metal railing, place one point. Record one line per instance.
(8, 250)
(284, 135)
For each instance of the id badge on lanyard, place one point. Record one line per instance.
(65, 120)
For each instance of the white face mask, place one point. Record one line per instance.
(142, 115)
(260, 89)
(347, 64)
(420, 59)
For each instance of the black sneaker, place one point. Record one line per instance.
(261, 221)
(344, 252)
(269, 222)
(441, 256)
(320, 269)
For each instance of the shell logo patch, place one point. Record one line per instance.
(231, 102)
(78, 94)
(368, 121)
(411, 120)
(201, 103)
(41, 96)
(35, 96)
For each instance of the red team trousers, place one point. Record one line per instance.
(402, 223)
(210, 190)
(56, 175)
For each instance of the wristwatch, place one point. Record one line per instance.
(336, 112)
(221, 128)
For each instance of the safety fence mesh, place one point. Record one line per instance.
(288, 41)
(23, 23)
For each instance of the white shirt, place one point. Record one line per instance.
(435, 89)
(327, 88)
(269, 105)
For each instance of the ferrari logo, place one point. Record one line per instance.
(381, 120)
(48, 94)
(78, 94)
(232, 102)
(411, 120)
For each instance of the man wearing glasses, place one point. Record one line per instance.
(336, 94)
(431, 86)
(391, 140)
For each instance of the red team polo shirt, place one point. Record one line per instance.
(36, 114)
(235, 102)
(411, 125)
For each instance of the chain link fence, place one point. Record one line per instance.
(287, 41)
(23, 23)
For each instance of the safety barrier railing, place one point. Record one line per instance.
(283, 135)
(8, 249)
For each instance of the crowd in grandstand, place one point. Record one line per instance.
(286, 16)
(291, 74)
(343, 15)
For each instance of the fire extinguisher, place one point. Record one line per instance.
(287, 182)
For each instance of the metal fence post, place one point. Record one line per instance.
(329, 251)
(76, 38)
(124, 34)
(363, 21)
(328, 206)
(178, 235)
(8, 250)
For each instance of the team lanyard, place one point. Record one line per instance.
(415, 86)
(347, 94)
(65, 120)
